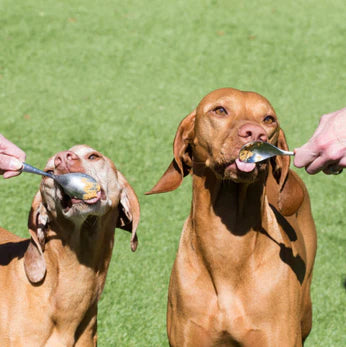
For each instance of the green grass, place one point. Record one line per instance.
(120, 75)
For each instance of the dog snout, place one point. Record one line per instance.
(66, 161)
(252, 132)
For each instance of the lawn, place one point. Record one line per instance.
(120, 75)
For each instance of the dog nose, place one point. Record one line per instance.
(252, 132)
(64, 161)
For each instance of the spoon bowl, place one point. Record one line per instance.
(254, 152)
(76, 184)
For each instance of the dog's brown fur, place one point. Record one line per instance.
(243, 269)
(50, 284)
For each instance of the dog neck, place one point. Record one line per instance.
(88, 245)
(77, 262)
(225, 223)
(238, 207)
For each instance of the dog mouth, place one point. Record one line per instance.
(67, 202)
(244, 167)
(235, 169)
(237, 166)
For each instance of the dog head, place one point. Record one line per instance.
(115, 201)
(212, 135)
(215, 131)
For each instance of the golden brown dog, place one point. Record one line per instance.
(243, 268)
(50, 284)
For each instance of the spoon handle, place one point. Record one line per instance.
(34, 170)
(286, 152)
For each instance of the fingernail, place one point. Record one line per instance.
(15, 164)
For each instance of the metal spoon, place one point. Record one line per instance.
(254, 152)
(75, 184)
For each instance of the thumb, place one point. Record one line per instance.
(303, 156)
(8, 163)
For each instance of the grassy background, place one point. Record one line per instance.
(120, 75)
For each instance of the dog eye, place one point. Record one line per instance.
(220, 111)
(268, 120)
(93, 156)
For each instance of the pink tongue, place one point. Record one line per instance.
(245, 167)
(89, 201)
(94, 200)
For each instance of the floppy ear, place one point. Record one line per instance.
(182, 163)
(129, 210)
(281, 163)
(291, 193)
(34, 262)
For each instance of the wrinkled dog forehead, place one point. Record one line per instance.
(81, 150)
(239, 102)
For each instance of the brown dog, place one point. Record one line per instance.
(243, 269)
(50, 284)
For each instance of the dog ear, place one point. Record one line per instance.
(129, 210)
(182, 163)
(291, 193)
(281, 163)
(34, 262)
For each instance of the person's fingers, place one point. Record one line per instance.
(304, 156)
(319, 164)
(9, 174)
(326, 149)
(10, 149)
(10, 166)
(9, 163)
(16, 153)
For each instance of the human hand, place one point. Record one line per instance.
(326, 149)
(11, 158)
